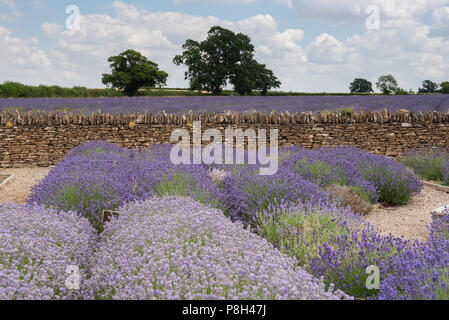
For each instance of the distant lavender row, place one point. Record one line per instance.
(263, 104)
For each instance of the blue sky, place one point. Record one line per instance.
(312, 46)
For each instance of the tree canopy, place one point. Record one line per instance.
(131, 71)
(387, 84)
(224, 56)
(444, 87)
(361, 86)
(428, 87)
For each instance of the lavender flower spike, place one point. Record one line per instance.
(176, 248)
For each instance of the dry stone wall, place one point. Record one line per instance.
(42, 139)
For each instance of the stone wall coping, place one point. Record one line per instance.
(42, 118)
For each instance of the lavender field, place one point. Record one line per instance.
(293, 104)
(188, 232)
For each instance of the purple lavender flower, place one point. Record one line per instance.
(99, 175)
(176, 248)
(208, 103)
(421, 271)
(37, 245)
(428, 163)
(383, 179)
(344, 259)
(247, 192)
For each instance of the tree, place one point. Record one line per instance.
(361, 86)
(444, 87)
(253, 76)
(428, 87)
(132, 71)
(401, 91)
(224, 56)
(387, 84)
(265, 80)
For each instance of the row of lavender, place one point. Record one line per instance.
(430, 163)
(174, 238)
(116, 105)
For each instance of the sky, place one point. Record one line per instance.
(312, 46)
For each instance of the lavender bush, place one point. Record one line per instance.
(299, 230)
(395, 183)
(98, 175)
(345, 258)
(445, 174)
(36, 247)
(421, 272)
(330, 242)
(330, 166)
(379, 178)
(427, 163)
(246, 192)
(163, 247)
(175, 248)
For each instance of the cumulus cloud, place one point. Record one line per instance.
(20, 58)
(409, 53)
(159, 36)
(404, 46)
(440, 22)
(356, 9)
(326, 49)
(51, 28)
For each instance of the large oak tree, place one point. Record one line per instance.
(224, 56)
(387, 84)
(131, 71)
(361, 86)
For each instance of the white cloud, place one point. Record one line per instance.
(51, 28)
(355, 9)
(327, 50)
(21, 59)
(440, 22)
(11, 5)
(159, 36)
(14, 12)
(408, 52)
(6, 17)
(404, 46)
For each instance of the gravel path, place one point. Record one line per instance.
(410, 221)
(18, 189)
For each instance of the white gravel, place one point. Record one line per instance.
(412, 220)
(18, 189)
